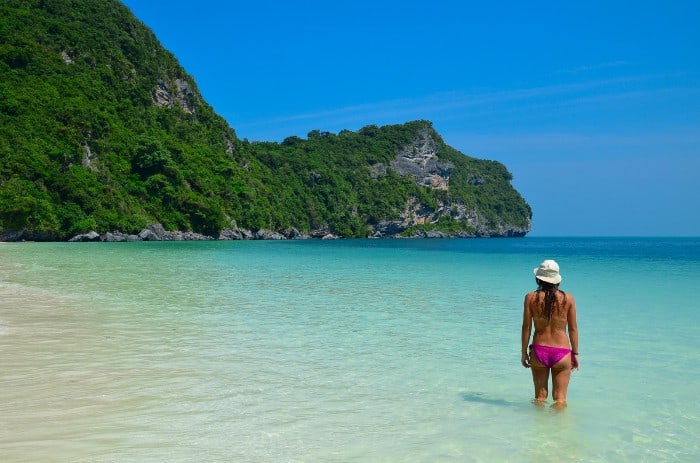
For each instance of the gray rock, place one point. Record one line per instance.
(235, 233)
(388, 228)
(11, 235)
(264, 234)
(92, 236)
(85, 237)
(294, 234)
(231, 234)
(319, 232)
(113, 237)
(435, 234)
(148, 235)
(157, 229)
(192, 236)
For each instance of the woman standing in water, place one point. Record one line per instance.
(554, 346)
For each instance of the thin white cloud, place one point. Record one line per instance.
(593, 67)
(676, 146)
(450, 101)
(513, 107)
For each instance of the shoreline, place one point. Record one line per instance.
(156, 232)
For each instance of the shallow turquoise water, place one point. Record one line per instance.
(367, 350)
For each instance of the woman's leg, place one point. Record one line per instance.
(561, 374)
(540, 378)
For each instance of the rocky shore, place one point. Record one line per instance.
(156, 232)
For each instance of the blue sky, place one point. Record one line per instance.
(593, 106)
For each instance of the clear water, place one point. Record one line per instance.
(341, 351)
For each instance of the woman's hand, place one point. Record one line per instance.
(574, 362)
(525, 360)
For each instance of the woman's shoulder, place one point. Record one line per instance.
(567, 299)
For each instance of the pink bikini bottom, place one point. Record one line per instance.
(548, 355)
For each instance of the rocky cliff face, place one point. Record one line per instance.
(416, 214)
(175, 93)
(420, 160)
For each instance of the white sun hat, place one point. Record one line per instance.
(548, 271)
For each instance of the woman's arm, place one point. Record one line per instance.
(525, 335)
(572, 326)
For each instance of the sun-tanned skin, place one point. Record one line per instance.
(558, 331)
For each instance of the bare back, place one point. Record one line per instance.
(551, 331)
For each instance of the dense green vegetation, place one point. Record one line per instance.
(101, 129)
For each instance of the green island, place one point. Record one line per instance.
(102, 131)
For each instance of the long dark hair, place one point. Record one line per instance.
(550, 296)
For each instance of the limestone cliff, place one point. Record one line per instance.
(419, 160)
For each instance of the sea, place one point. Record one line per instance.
(395, 350)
